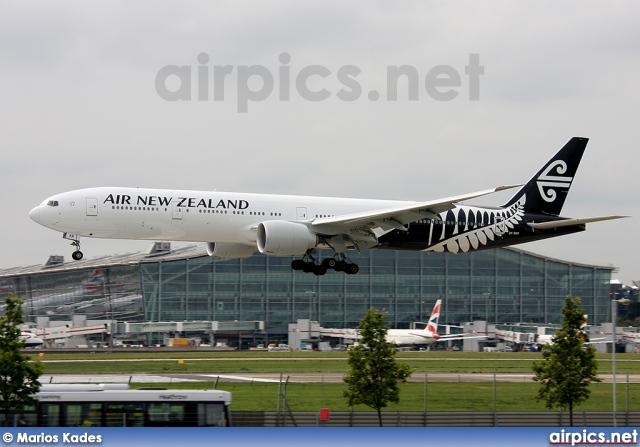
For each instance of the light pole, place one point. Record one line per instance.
(614, 317)
(312, 295)
(487, 296)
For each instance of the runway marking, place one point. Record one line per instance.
(241, 378)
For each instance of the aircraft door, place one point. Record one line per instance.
(92, 207)
(176, 212)
(301, 213)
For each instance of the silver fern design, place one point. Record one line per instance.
(475, 227)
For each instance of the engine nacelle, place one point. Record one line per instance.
(282, 238)
(226, 250)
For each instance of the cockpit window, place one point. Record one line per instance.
(52, 203)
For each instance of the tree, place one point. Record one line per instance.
(18, 375)
(568, 366)
(374, 373)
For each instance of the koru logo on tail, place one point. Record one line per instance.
(547, 182)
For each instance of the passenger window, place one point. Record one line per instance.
(51, 415)
(163, 414)
(83, 415)
(28, 417)
(124, 415)
(211, 415)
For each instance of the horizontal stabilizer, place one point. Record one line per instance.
(570, 222)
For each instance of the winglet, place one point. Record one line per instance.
(505, 187)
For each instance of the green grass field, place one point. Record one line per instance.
(439, 396)
(299, 362)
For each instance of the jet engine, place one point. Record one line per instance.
(226, 250)
(282, 238)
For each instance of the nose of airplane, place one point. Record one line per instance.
(34, 214)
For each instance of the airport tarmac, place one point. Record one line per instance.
(298, 377)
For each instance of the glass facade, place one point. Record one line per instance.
(105, 293)
(500, 286)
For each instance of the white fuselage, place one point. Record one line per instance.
(399, 337)
(408, 337)
(176, 215)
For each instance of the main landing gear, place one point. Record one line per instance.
(309, 265)
(75, 242)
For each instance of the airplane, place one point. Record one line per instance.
(236, 225)
(408, 337)
(546, 338)
(412, 337)
(30, 340)
(426, 336)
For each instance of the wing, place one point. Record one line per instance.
(426, 337)
(395, 218)
(460, 337)
(570, 222)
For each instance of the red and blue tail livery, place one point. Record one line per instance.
(432, 326)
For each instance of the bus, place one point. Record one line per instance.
(116, 405)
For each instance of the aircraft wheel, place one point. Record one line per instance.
(77, 255)
(352, 269)
(329, 263)
(297, 264)
(319, 270)
(341, 266)
(308, 267)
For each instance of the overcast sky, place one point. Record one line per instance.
(80, 106)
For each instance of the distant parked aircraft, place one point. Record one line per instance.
(407, 337)
(30, 340)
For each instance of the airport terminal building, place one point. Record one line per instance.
(503, 285)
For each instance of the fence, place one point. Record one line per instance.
(434, 419)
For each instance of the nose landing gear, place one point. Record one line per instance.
(77, 255)
(75, 242)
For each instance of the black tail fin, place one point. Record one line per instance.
(548, 189)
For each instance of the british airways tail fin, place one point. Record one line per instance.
(546, 192)
(432, 325)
